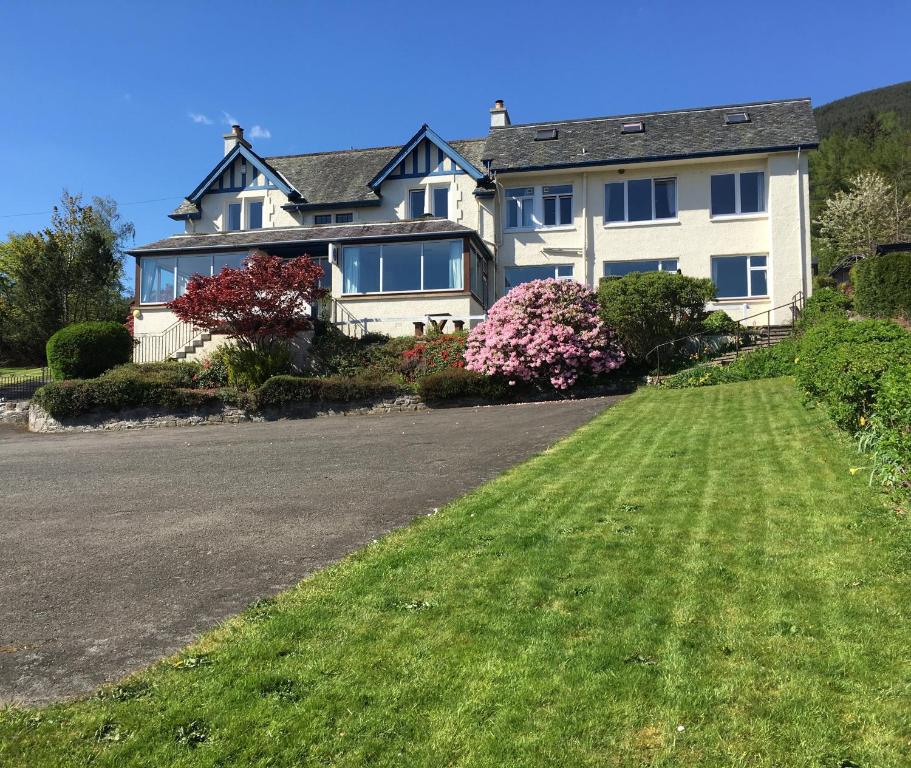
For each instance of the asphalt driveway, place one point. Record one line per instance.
(119, 548)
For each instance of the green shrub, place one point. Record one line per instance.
(892, 413)
(764, 363)
(882, 285)
(720, 322)
(841, 363)
(280, 391)
(126, 387)
(825, 303)
(86, 350)
(650, 308)
(459, 383)
(213, 370)
(249, 368)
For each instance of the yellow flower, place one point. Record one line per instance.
(862, 420)
(797, 359)
(854, 470)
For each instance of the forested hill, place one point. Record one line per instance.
(852, 113)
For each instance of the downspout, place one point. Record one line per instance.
(585, 233)
(803, 238)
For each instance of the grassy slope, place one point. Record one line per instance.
(19, 371)
(696, 557)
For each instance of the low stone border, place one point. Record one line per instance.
(40, 420)
(14, 412)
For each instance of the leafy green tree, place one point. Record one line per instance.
(69, 272)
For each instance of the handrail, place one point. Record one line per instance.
(349, 318)
(796, 304)
(154, 347)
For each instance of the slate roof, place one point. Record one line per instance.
(399, 230)
(777, 125)
(186, 210)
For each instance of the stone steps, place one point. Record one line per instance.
(194, 345)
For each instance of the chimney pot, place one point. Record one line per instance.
(234, 138)
(499, 117)
(498, 104)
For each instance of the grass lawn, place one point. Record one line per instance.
(19, 371)
(693, 579)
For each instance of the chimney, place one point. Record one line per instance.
(499, 117)
(235, 137)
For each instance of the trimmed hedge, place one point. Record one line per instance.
(882, 285)
(459, 383)
(285, 390)
(161, 385)
(86, 350)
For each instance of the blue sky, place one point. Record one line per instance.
(131, 100)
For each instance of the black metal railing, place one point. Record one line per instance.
(21, 386)
(795, 305)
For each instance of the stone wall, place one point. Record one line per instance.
(143, 418)
(14, 412)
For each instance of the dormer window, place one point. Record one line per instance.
(735, 118)
(233, 217)
(633, 126)
(545, 134)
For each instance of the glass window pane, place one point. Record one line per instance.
(621, 268)
(441, 202)
(564, 270)
(256, 216)
(187, 266)
(550, 211)
(528, 206)
(640, 200)
(752, 192)
(665, 198)
(232, 260)
(157, 280)
(322, 218)
(758, 277)
(558, 189)
(517, 275)
(520, 192)
(566, 209)
(344, 218)
(512, 213)
(416, 202)
(234, 216)
(326, 280)
(613, 206)
(669, 265)
(401, 267)
(361, 269)
(729, 273)
(443, 265)
(723, 194)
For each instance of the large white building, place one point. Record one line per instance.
(437, 229)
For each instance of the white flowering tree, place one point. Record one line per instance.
(871, 212)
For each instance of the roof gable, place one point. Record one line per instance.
(425, 154)
(225, 177)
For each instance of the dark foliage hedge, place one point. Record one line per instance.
(882, 285)
(86, 350)
(164, 385)
(459, 383)
(285, 390)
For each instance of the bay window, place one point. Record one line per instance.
(640, 200)
(738, 193)
(737, 277)
(435, 265)
(157, 280)
(163, 278)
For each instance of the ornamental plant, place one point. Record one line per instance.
(262, 306)
(544, 331)
(436, 354)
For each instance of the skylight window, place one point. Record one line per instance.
(634, 126)
(735, 118)
(545, 134)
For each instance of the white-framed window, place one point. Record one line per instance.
(409, 267)
(233, 217)
(557, 202)
(518, 275)
(163, 278)
(255, 214)
(640, 200)
(479, 276)
(344, 218)
(416, 203)
(621, 268)
(740, 277)
(735, 194)
(520, 208)
(322, 218)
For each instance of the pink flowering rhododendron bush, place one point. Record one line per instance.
(544, 330)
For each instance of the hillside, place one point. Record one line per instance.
(850, 113)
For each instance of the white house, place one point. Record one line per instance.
(437, 229)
